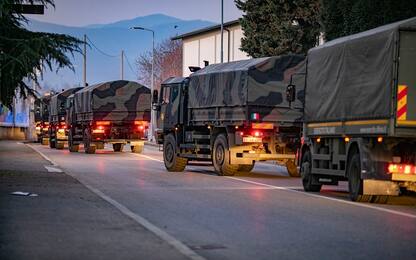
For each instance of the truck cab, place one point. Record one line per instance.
(171, 106)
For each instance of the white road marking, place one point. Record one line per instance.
(52, 169)
(147, 157)
(329, 198)
(43, 155)
(294, 189)
(175, 243)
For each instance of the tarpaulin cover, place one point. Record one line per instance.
(352, 77)
(257, 82)
(58, 101)
(114, 96)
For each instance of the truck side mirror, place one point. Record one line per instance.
(290, 93)
(155, 103)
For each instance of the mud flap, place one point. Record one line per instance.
(378, 187)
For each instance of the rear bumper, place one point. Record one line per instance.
(403, 177)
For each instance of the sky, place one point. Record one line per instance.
(85, 12)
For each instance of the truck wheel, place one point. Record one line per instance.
(292, 169)
(245, 167)
(355, 183)
(220, 157)
(89, 148)
(137, 148)
(60, 145)
(307, 177)
(52, 143)
(173, 162)
(118, 147)
(73, 148)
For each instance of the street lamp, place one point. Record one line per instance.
(152, 113)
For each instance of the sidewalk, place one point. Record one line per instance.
(65, 220)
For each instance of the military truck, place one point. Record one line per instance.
(232, 114)
(116, 112)
(360, 113)
(58, 132)
(42, 118)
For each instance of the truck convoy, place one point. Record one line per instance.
(360, 113)
(42, 119)
(232, 114)
(116, 112)
(58, 132)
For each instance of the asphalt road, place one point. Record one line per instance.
(262, 215)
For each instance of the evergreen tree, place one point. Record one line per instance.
(345, 17)
(23, 52)
(275, 27)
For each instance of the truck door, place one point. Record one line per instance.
(406, 89)
(169, 111)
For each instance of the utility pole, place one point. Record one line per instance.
(122, 64)
(222, 31)
(85, 60)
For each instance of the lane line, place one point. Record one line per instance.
(175, 243)
(328, 198)
(52, 169)
(43, 155)
(147, 157)
(357, 204)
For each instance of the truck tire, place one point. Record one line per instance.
(89, 148)
(137, 148)
(73, 148)
(220, 157)
(60, 145)
(292, 169)
(52, 143)
(307, 177)
(173, 162)
(245, 167)
(355, 183)
(118, 147)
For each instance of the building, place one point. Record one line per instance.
(205, 45)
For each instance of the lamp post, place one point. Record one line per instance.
(152, 113)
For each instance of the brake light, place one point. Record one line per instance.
(140, 123)
(401, 168)
(257, 133)
(102, 123)
(98, 131)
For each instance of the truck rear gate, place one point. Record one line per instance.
(360, 112)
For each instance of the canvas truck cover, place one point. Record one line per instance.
(352, 78)
(58, 101)
(257, 82)
(115, 100)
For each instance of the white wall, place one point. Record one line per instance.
(207, 46)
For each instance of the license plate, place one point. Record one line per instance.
(252, 139)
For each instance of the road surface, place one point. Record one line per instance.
(262, 215)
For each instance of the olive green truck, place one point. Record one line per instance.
(360, 113)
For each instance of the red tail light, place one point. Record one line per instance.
(401, 168)
(103, 123)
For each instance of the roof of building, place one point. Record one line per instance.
(205, 30)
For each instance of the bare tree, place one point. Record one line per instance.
(168, 63)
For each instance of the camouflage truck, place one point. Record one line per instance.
(360, 113)
(58, 132)
(42, 119)
(232, 114)
(116, 112)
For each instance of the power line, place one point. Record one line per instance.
(128, 62)
(99, 50)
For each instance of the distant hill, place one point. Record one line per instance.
(112, 38)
